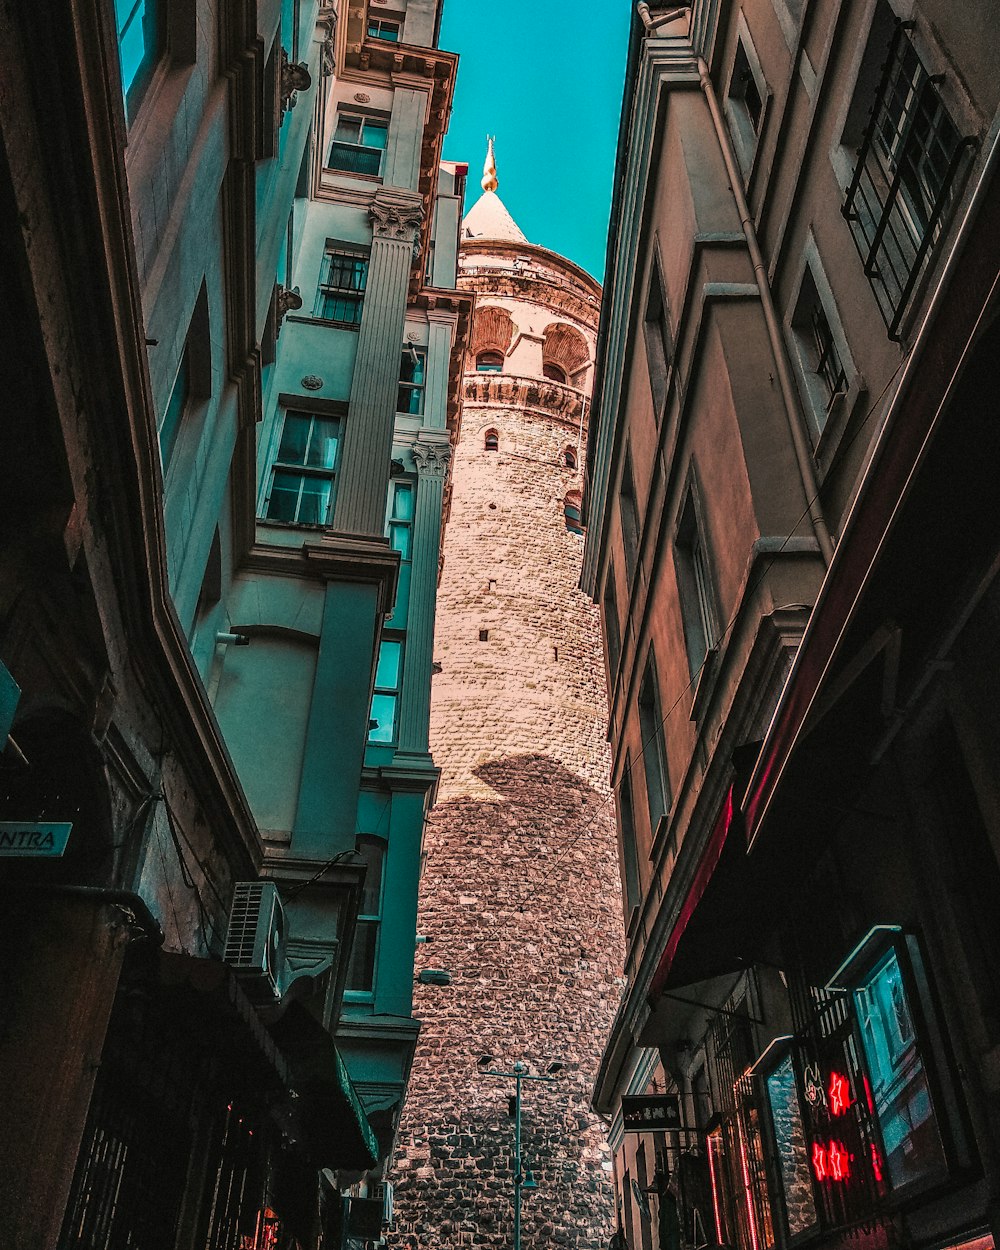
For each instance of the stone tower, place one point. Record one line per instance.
(520, 897)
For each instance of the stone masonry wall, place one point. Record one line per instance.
(520, 897)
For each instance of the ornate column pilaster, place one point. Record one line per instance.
(431, 454)
(367, 450)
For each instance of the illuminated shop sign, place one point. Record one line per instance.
(651, 1113)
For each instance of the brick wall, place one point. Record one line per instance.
(520, 896)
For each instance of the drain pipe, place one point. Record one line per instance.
(803, 452)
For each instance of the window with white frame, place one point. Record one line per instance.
(364, 952)
(358, 144)
(412, 380)
(384, 718)
(821, 370)
(342, 280)
(695, 584)
(909, 157)
(746, 99)
(302, 476)
(827, 376)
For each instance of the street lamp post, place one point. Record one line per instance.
(520, 1073)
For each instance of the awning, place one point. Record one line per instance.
(704, 874)
(725, 923)
(332, 1120)
(221, 1014)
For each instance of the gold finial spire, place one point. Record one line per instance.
(489, 182)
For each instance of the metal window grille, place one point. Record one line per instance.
(132, 1167)
(828, 368)
(905, 178)
(342, 288)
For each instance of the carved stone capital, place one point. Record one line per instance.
(394, 219)
(431, 459)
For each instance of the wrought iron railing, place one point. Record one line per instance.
(905, 180)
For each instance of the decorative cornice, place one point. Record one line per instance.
(553, 398)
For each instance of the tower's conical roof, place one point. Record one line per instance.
(488, 218)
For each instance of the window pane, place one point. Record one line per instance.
(410, 400)
(374, 134)
(793, 1160)
(387, 672)
(294, 439)
(136, 39)
(372, 851)
(170, 427)
(284, 500)
(384, 714)
(402, 503)
(899, 1087)
(314, 504)
(411, 367)
(322, 453)
(399, 540)
(361, 971)
(348, 129)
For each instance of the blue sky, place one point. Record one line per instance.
(546, 79)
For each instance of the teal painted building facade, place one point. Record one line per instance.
(246, 391)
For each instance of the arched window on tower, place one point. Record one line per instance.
(573, 512)
(491, 441)
(489, 362)
(569, 458)
(553, 372)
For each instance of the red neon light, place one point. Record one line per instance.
(868, 1095)
(840, 1094)
(830, 1161)
(819, 1160)
(840, 1161)
(715, 1190)
(876, 1162)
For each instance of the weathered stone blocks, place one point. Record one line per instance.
(520, 896)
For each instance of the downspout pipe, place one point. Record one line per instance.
(803, 452)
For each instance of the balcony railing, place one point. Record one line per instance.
(905, 179)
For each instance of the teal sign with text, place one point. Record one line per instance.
(24, 838)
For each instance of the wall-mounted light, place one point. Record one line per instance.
(232, 640)
(434, 976)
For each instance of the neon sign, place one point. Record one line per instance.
(839, 1094)
(831, 1161)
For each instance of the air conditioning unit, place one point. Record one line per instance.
(255, 940)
